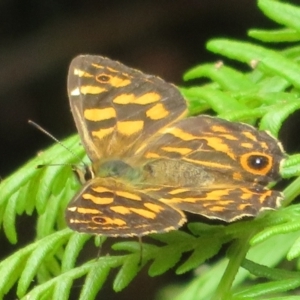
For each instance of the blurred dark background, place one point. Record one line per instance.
(38, 39)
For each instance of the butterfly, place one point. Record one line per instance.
(150, 163)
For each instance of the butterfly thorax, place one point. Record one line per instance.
(118, 169)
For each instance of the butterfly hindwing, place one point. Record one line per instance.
(226, 203)
(109, 207)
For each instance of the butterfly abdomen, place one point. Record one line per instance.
(176, 173)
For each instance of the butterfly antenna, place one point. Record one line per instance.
(55, 139)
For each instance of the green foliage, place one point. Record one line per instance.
(270, 92)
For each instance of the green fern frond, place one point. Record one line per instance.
(47, 268)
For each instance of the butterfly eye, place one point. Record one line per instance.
(103, 78)
(256, 163)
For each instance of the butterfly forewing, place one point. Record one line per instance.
(233, 152)
(118, 109)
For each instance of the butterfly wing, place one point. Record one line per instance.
(117, 109)
(235, 150)
(202, 165)
(214, 168)
(227, 203)
(109, 207)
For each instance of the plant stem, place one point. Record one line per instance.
(236, 253)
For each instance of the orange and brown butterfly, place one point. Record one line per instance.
(150, 163)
